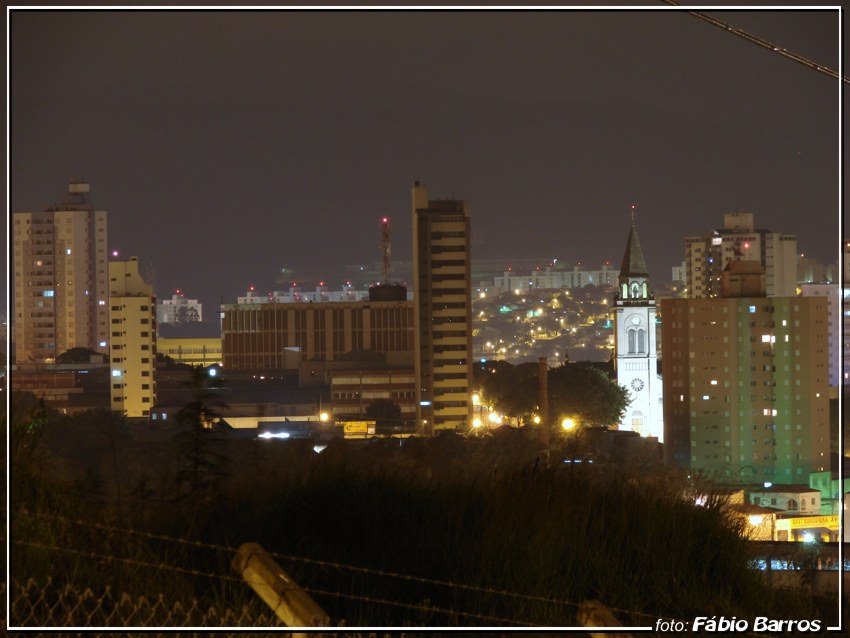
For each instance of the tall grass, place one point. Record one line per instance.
(483, 512)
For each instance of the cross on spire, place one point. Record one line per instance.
(632, 213)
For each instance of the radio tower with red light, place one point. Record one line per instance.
(386, 248)
(384, 290)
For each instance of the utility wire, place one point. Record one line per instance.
(770, 46)
(322, 563)
(310, 561)
(234, 579)
(325, 563)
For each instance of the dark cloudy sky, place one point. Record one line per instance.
(225, 144)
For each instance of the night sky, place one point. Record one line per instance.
(226, 144)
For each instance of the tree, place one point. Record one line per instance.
(28, 455)
(582, 390)
(202, 467)
(506, 386)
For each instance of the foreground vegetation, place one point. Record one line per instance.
(486, 512)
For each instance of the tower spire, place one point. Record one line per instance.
(634, 265)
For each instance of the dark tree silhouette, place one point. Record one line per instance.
(203, 467)
(580, 390)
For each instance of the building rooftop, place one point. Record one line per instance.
(783, 488)
(749, 508)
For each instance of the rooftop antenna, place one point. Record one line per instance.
(385, 245)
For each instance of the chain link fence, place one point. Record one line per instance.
(49, 604)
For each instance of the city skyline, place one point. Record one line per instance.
(224, 145)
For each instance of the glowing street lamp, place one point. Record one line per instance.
(568, 424)
(324, 417)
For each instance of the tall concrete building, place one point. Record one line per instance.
(706, 256)
(442, 312)
(746, 385)
(636, 358)
(132, 322)
(60, 274)
(833, 293)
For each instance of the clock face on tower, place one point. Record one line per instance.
(637, 385)
(635, 321)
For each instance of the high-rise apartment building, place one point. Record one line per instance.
(746, 385)
(832, 292)
(635, 342)
(442, 312)
(60, 278)
(706, 257)
(178, 309)
(132, 322)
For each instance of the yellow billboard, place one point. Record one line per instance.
(803, 522)
(358, 428)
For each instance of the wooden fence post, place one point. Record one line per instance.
(592, 613)
(282, 594)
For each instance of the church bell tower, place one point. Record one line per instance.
(635, 343)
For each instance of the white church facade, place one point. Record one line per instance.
(636, 358)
